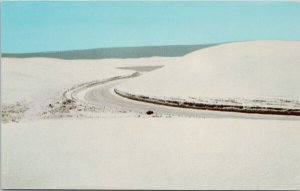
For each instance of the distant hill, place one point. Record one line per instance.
(102, 53)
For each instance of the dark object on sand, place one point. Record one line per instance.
(149, 112)
(68, 101)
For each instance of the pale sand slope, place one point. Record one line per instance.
(132, 153)
(29, 85)
(245, 71)
(35, 78)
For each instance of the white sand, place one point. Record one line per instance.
(266, 70)
(35, 78)
(30, 85)
(132, 153)
(135, 153)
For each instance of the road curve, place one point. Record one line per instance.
(101, 94)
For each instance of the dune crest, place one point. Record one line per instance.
(251, 73)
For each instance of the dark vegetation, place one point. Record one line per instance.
(215, 107)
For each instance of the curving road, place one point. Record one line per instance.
(102, 95)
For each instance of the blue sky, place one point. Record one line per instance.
(55, 26)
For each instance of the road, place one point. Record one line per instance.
(103, 95)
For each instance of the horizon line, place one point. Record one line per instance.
(142, 46)
(114, 47)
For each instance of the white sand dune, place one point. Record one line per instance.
(33, 78)
(29, 85)
(157, 153)
(243, 72)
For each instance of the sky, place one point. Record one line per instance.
(56, 26)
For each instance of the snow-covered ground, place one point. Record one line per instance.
(252, 74)
(152, 153)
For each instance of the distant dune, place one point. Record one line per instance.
(257, 73)
(127, 52)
